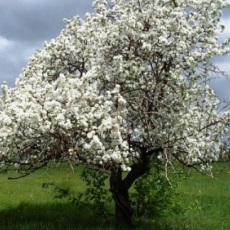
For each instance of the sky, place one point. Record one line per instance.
(26, 24)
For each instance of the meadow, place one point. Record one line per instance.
(26, 204)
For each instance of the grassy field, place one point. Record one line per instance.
(25, 204)
(207, 200)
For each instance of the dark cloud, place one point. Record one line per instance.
(26, 24)
(14, 58)
(38, 20)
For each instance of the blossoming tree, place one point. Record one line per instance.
(124, 86)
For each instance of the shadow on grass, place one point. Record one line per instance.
(56, 216)
(63, 216)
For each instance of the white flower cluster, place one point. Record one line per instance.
(121, 83)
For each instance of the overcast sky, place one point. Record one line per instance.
(26, 24)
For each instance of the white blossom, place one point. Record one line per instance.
(127, 78)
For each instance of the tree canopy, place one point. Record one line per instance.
(126, 85)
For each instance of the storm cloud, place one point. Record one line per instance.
(26, 24)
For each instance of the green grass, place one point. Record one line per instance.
(24, 204)
(207, 201)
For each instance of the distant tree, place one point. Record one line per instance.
(124, 86)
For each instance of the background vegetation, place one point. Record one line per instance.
(200, 202)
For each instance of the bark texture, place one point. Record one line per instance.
(119, 188)
(123, 209)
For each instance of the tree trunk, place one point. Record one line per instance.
(123, 209)
(119, 188)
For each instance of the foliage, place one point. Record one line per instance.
(96, 191)
(95, 196)
(155, 198)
